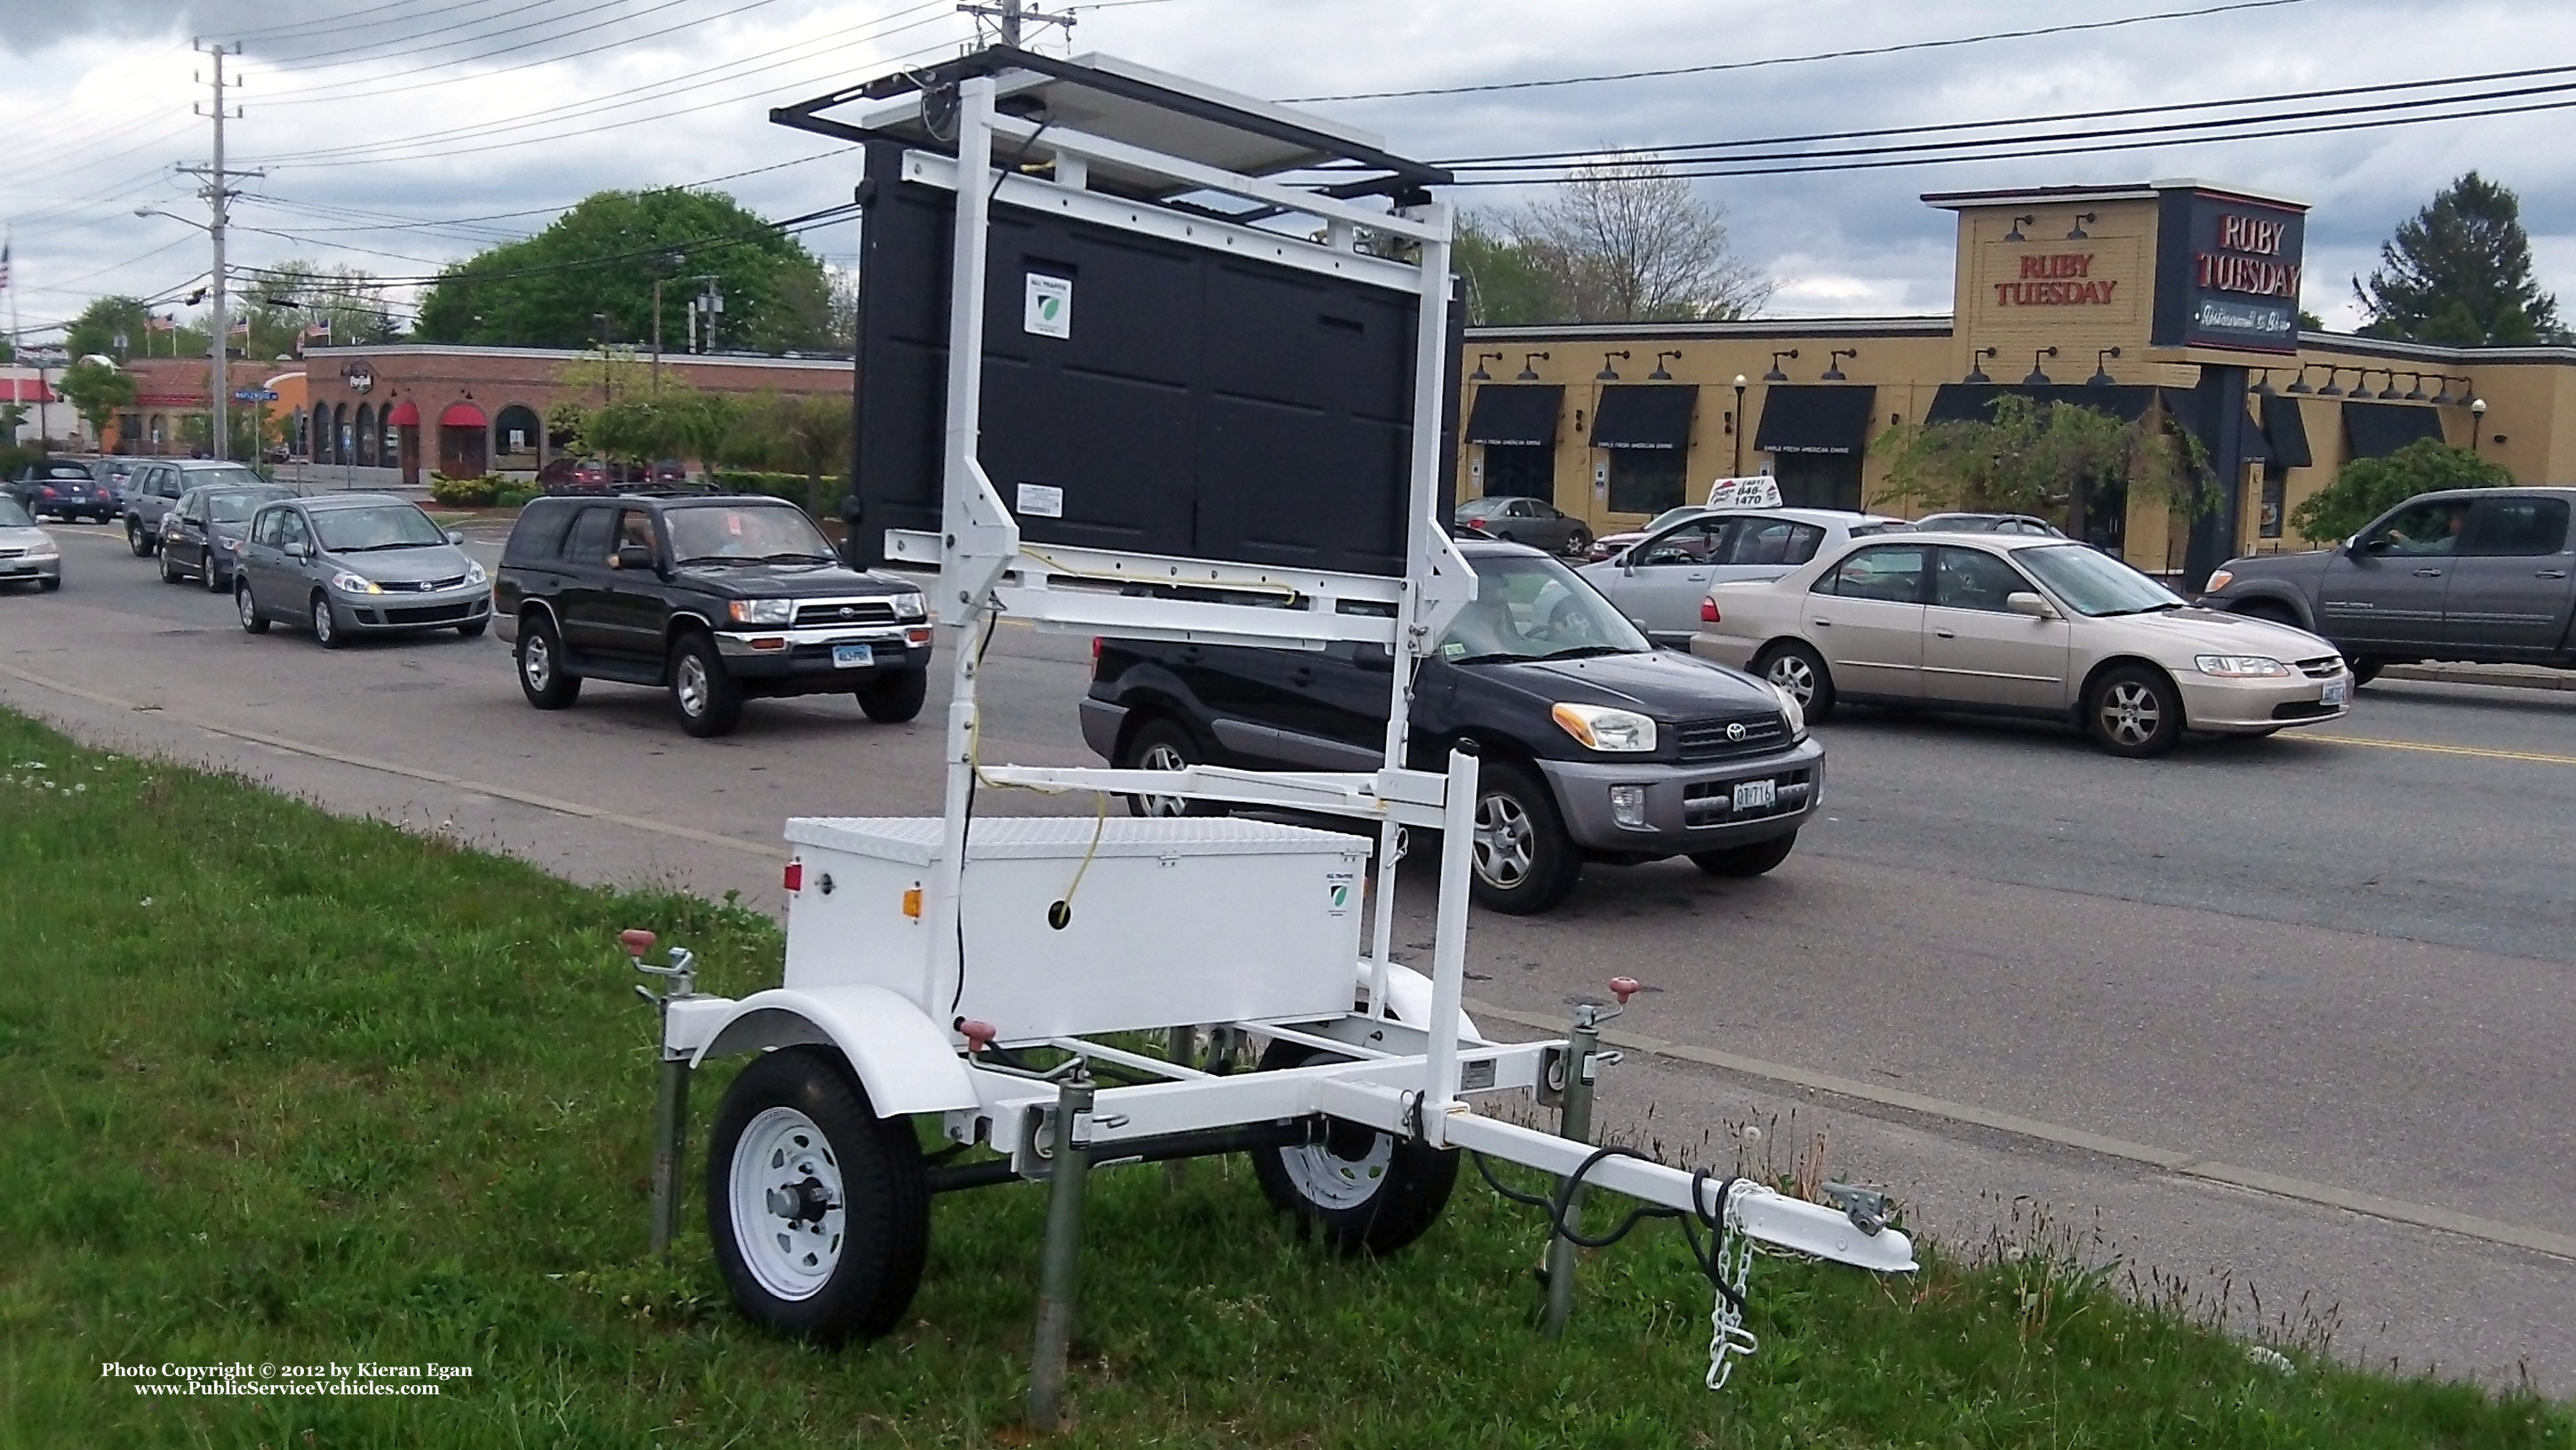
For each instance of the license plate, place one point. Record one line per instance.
(853, 656)
(1753, 795)
(2337, 691)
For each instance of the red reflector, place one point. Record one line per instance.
(769, 644)
(795, 876)
(1095, 649)
(1708, 611)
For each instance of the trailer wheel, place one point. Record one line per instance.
(819, 1210)
(1363, 1189)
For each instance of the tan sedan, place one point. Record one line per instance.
(2023, 626)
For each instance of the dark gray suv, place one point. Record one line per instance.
(2485, 575)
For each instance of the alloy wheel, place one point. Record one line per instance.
(1160, 756)
(537, 662)
(691, 686)
(2130, 713)
(1792, 674)
(1505, 841)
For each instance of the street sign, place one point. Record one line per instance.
(254, 395)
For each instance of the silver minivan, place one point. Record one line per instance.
(357, 563)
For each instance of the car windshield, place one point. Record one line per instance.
(1530, 607)
(234, 508)
(1477, 508)
(2093, 583)
(1672, 516)
(12, 516)
(746, 534)
(383, 526)
(230, 476)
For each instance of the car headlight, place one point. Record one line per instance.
(761, 611)
(474, 573)
(1599, 727)
(1791, 714)
(228, 541)
(2241, 667)
(348, 583)
(910, 606)
(46, 550)
(2218, 581)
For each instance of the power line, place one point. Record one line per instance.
(1899, 48)
(309, 60)
(373, 87)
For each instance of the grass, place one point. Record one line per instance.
(290, 1088)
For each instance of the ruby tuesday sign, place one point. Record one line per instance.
(2227, 272)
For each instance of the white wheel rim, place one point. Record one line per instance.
(1791, 674)
(789, 1214)
(249, 610)
(693, 685)
(1330, 1181)
(1503, 841)
(2131, 713)
(322, 620)
(537, 661)
(1161, 756)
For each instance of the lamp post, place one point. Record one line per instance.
(661, 267)
(2477, 421)
(1739, 426)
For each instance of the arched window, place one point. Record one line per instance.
(340, 433)
(160, 429)
(516, 430)
(366, 435)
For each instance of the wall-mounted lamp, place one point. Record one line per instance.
(2015, 234)
(2263, 383)
(2101, 374)
(1977, 365)
(2442, 399)
(2299, 384)
(2414, 387)
(2390, 393)
(1609, 374)
(1833, 363)
(1529, 374)
(2076, 233)
(1480, 375)
(1659, 375)
(2330, 390)
(1775, 375)
(2038, 379)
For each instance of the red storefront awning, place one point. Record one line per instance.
(462, 415)
(405, 415)
(28, 390)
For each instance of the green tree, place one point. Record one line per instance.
(2368, 487)
(810, 435)
(2460, 273)
(600, 260)
(1505, 285)
(97, 391)
(2032, 458)
(105, 320)
(283, 300)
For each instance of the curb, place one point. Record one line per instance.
(2510, 676)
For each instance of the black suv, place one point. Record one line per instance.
(717, 598)
(1595, 745)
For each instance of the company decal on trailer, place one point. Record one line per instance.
(1340, 890)
(1049, 312)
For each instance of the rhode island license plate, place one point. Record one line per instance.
(2337, 690)
(1756, 795)
(853, 656)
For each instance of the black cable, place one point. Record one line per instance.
(1559, 1209)
(973, 772)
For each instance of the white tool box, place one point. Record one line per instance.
(1173, 921)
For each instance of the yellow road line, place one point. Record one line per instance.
(2431, 748)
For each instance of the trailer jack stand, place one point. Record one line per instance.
(1060, 1270)
(671, 1092)
(1581, 1065)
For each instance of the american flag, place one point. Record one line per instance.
(168, 322)
(4, 266)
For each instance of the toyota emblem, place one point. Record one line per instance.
(1735, 730)
(849, 612)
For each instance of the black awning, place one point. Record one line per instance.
(2287, 431)
(1645, 415)
(1523, 413)
(2379, 429)
(1975, 402)
(2258, 444)
(1815, 418)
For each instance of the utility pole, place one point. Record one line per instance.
(218, 195)
(1009, 16)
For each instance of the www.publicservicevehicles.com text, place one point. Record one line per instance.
(364, 1377)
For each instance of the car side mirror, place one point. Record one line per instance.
(456, 536)
(635, 556)
(302, 549)
(2022, 601)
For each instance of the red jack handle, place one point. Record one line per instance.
(636, 940)
(1624, 988)
(978, 1035)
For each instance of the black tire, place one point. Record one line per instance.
(324, 619)
(473, 628)
(872, 1265)
(893, 699)
(213, 578)
(2364, 669)
(169, 570)
(706, 698)
(542, 676)
(1578, 543)
(50, 584)
(2133, 710)
(247, 609)
(1524, 862)
(1801, 671)
(1742, 861)
(1163, 743)
(142, 543)
(1363, 1190)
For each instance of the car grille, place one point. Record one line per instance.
(1718, 739)
(2304, 710)
(845, 611)
(2323, 667)
(431, 614)
(419, 586)
(11, 553)
(1712, 803)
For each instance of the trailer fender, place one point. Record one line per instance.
(903, 1059)
(1408, 999)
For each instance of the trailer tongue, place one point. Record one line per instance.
(1213, 338)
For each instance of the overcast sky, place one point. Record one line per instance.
(484, 116)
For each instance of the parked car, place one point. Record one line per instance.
(155, 485)
(572, 475)
(1531, 521)
(718, 599)
(1609, 545)
(347, 564)
(27, 553)
(1989, 524)
(1596, 746)
(2010, 624)
(63, 487)
(111, 474)
(1659, 580)
(201, 537)
(2486, 575)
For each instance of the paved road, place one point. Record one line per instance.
(2211, 1004)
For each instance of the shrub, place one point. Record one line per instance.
(510, 498)
(789, 486)
(469, 493)
(2368, 487)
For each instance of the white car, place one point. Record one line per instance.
(1659, 581)
(2019, 625)
(27, 554)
